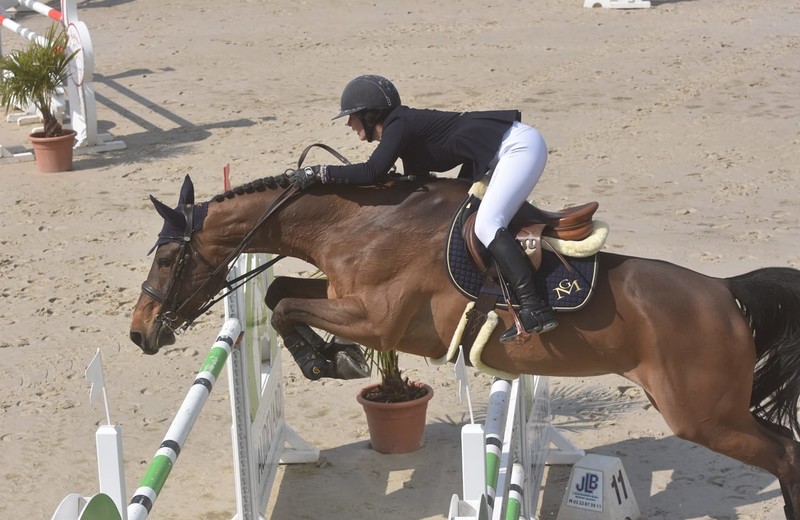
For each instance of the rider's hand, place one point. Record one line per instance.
(305, 177)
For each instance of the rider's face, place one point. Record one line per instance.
(354, 122)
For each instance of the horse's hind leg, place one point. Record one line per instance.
(755, 442)
(785, 436)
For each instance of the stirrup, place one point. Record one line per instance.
(544, 320)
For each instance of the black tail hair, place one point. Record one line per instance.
(770, 298)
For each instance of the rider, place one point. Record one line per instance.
(433, 140)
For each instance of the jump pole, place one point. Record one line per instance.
(261, 438)
(23, 31)
(503, 459)
(42, 9)
(79, 87)
(496, 414)
(159, 469)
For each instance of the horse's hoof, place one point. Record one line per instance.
(348, 361)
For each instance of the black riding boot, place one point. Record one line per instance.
(534, 314)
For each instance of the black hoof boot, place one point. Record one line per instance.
(308, 356)
(318, 359)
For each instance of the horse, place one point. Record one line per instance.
(717, 357)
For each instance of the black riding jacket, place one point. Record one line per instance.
(432, 141)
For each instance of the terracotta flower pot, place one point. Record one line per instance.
(396, 427)
(53, 154)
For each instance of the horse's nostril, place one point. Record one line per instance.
(136, 337)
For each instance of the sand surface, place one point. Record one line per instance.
(682, 120)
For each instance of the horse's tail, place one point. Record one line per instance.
(770, 298)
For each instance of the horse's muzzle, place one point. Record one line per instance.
(151, 345)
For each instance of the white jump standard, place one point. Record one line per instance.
(503, 460)
(261, 437)
(79, 88)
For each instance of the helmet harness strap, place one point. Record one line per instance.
(369, 128)
(369, 123)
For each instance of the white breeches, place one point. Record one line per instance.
(522, 157)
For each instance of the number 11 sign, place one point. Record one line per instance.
(598, 490)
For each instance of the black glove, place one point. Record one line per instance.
(305, 177)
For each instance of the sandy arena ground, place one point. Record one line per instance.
(681, 120)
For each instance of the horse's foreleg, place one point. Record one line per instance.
(287, 287)
(345, 317)
(314, 356)
(293, 318)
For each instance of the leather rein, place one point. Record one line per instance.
(169, 301)
(170, 308)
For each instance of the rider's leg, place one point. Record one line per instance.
(521, 161)
(534, 314)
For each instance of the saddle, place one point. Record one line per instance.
(565, 262)
(529, 225)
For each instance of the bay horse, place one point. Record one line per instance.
(717, 357)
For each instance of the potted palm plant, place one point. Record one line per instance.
(31, 76)
(395, 407)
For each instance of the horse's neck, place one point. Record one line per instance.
(285, 231)
(315, 225)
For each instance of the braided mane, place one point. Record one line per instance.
(266, 183)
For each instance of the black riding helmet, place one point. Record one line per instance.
(370, 98)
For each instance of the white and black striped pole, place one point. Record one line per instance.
(161, 465)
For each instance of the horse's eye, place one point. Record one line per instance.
(164, 262)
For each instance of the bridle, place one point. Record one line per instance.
(171, 310)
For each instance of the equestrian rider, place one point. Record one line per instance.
(434, 140)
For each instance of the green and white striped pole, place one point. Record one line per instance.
(515, 492)
(161, 465)
(495, 425)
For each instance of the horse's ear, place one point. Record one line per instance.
(172, 216)
(187, 192)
